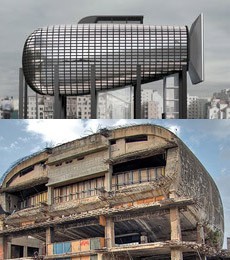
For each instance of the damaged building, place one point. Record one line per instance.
(133, 192)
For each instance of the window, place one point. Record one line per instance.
(136, 138)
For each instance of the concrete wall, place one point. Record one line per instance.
(31, 161)
(68, 172)
(38, 172)
(196, 182)
(78, 148)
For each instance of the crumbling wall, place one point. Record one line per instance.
(75, 169)
(37, 159)
(38, 171)
(195, 182)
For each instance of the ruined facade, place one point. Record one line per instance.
(128, 193)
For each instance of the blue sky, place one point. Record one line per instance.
(208, 139)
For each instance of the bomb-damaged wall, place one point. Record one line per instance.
(78, 159)
(196, 182)
(17, 174)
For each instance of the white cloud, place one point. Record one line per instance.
(53, 132)
(56, 131)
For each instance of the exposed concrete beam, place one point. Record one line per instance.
(155, 206)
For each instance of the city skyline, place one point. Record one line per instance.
(208, 140)
(31, 15)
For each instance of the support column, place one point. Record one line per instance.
(50, 195)
(93, 93)
(59, 100)
(137, 95)
(2, 248)
(25, 100)
(176, 253)
(200, 234)
(8, 250)
(25, 249)
(99, 256)
(200, 239)
(20, 112)
(49, 237)
(109, 232)
(183, 93)
(36, 106)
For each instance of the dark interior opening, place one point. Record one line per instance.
(27, 170)
(16, 251)
(136, 138)
(31, 191)
(31, 251)
(153, 161)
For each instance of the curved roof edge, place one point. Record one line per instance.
(21, 160)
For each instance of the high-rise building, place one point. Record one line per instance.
(219, 107)
(152, 104)
(197, 107)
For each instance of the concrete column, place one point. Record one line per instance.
(176, 253)
(25, 249)
(50, 195)
(49, 237)
(108, 179)
(200, 239)
(99, 256)
(200, 234)
(2, 248)
(8, 249)
(109, 232)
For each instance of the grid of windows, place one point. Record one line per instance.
(115, 49)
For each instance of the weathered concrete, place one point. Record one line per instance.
(129, 182)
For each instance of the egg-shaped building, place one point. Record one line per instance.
(115, 47)
(132, 192)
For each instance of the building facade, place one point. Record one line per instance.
(134, 192)
(197, 107)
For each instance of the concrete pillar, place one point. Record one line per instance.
(50, 195)
(49, 237)
(25, 250)
(8, 249)
(108, 179)
(200, 234)
(109, 233)
(176, 253)
(99, 256)
(200, 239)
(2, 248)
